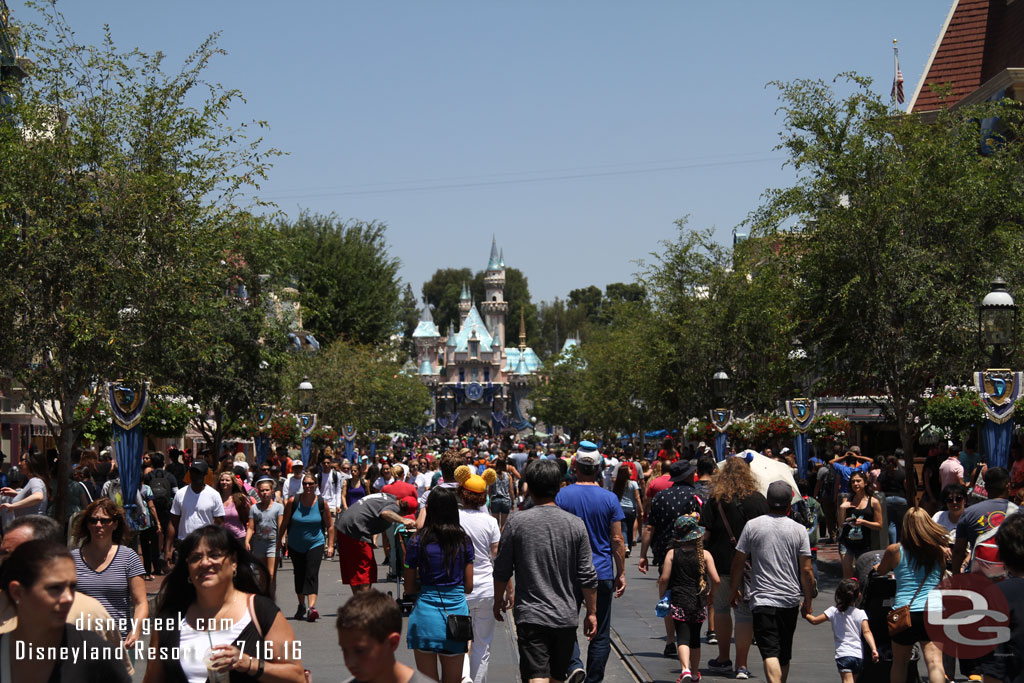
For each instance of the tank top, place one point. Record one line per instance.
(501, 489)
(684, 582)
(864, 542)
(908, 578)
(354, 493)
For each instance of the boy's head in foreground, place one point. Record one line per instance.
(369, 631)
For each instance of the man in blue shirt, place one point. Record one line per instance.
(846, 465)
(602, 514)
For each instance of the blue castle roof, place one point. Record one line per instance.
(473, 323)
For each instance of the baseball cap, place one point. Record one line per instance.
(780, 495)
(297, 463)
(199, 466)
(785, 449)
(587, 454)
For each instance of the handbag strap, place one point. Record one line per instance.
(441, 599)
(920, 586)
(725, 521)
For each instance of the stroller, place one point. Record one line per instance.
(398, 534)
(879, 592)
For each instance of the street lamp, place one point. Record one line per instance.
(720, 384)
(997, 321)
(305, 393)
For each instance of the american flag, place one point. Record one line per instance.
(897, 81)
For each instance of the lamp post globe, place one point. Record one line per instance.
(997, 321)
(305, 393)
(720, 384)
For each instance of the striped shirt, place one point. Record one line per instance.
(110, 587)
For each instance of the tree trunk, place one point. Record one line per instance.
(64, 446)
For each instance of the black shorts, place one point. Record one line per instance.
(544, 652)
(774, 628)
(915, 634)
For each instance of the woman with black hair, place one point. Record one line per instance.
(891, 482)
(218, 593)
(32, 499)
(439, 565)
(39, 577)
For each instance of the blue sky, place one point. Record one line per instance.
(576, 132)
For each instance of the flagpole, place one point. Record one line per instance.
(897, 75)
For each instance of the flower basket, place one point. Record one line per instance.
(740, 432)
(284, 429)
(167, 416)
(324, 436)
(768, 428)
(955, 410)
(828, 427)
(697, 429)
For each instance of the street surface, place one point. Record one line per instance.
(638, 636)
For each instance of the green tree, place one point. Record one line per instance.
(362, 386)
(443, 291)
(410, 315)
(229, 359)
(347, 281)
(893, 228)
(119, 182)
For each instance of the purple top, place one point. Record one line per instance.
(431, 567)
(354, 493)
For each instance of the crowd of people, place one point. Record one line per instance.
(474, 530)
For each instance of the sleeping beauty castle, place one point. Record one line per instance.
(478, 382)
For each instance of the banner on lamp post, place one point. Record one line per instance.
(720, 420)
(802, 412)
(348, 435)
(999, 390)
(307, 423)
(128, 401)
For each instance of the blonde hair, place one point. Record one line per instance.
(923, 540)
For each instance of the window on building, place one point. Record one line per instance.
(462, 374)
(487, 375)
(474, 375)
(474, 349)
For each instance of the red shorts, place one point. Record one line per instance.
(358, 566)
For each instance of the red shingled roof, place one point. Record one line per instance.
(982, 39)
(960, 55)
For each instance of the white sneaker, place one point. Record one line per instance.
(576, 676)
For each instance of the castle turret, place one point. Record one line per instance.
(494, 307)
(464, 303)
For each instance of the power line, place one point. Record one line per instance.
(428, 186)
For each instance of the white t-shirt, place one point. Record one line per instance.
(196, 509)
(292, 486)
(846, 629)
(330, 488)
(482, 530)
(942, 519)
(195, 644)
(423, 480)
(611, 470)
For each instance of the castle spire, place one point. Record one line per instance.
(495, 261)
(522, 327)
(501, 258)
(465, 292)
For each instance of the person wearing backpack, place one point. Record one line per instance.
(305, 531)
(164, 485)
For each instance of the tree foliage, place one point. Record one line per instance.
(893, 230)
(119, 180)
(348, 282)
(360, 385)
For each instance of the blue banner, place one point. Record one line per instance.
(996, 439)
(261, 444)
(128, 452)
(720, 440)
(800, 452)
(307, 447)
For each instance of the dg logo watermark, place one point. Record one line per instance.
(967, 616)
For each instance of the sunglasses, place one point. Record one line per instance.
(101, 520)
(954, 499)
(309, 483)
(214, 556)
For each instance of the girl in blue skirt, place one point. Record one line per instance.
(439, 565)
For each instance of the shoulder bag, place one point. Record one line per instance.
(898, 620)
(457, 627)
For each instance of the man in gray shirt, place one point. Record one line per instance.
(356, 527)
(548, 550)
(781, 578)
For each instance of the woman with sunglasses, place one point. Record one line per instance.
(306, 530)
(108, 571)
(217, 594)
(954, 498)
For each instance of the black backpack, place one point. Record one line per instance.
(160, 481)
